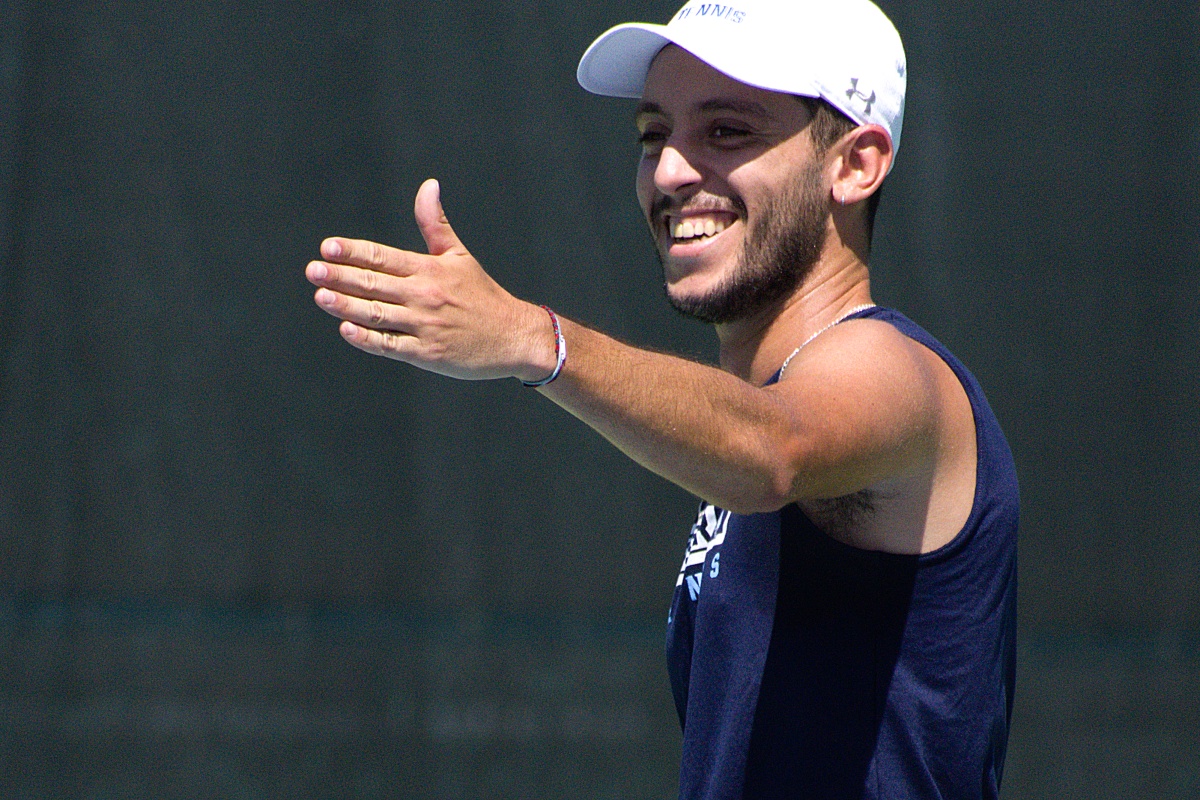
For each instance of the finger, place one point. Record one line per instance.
(380, 343)
(369, 255)
(364, 283)
(431, 219)
(370, 313)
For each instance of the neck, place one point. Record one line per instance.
(754, 348)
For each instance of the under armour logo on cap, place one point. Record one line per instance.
(853, 92)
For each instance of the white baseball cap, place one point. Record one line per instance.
(845, 51)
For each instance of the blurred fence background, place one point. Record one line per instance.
(239, 559)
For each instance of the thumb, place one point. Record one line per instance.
(431, 219)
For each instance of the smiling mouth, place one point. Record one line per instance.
(697, 228)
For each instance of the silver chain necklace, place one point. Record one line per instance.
(849, 313)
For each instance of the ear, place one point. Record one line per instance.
(863, 158)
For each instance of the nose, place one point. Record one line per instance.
(674, 172)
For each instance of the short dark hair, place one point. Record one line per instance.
(826, 127)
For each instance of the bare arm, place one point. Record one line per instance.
(849, 413)
(855, 407)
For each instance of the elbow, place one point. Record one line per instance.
(774, 486)
(765, 498)
(755, 500)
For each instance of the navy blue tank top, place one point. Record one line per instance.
(806, 668)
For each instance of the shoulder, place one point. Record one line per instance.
(872, 403)
(864, 353)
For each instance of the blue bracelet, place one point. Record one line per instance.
(560, 350)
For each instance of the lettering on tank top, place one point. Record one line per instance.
(708, 533)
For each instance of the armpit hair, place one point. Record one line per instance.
(839, 516)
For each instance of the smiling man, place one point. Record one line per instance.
(843, 624)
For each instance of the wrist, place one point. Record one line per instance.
(546, 348)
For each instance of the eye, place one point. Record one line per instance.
(728, 133)
(651, 140)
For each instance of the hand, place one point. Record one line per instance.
(440, 312)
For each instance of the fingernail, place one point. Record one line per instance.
(325, 297)
(320, 272)
(333, 248)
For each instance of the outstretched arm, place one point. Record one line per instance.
(855, 409)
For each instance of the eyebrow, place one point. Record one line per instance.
(747, 107)
(645, 108)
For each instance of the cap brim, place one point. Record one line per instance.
(617, 62)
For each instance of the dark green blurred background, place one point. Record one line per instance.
(240, 559)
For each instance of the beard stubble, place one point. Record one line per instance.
(777, 254)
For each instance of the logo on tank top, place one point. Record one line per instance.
(707, 534)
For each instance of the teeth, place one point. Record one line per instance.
(694, 228)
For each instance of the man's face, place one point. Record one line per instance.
(731, 187)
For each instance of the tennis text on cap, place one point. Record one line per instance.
(711, 10)
(853, 92)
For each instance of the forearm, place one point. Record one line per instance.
(703, 429)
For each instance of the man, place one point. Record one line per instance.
(844, 622)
